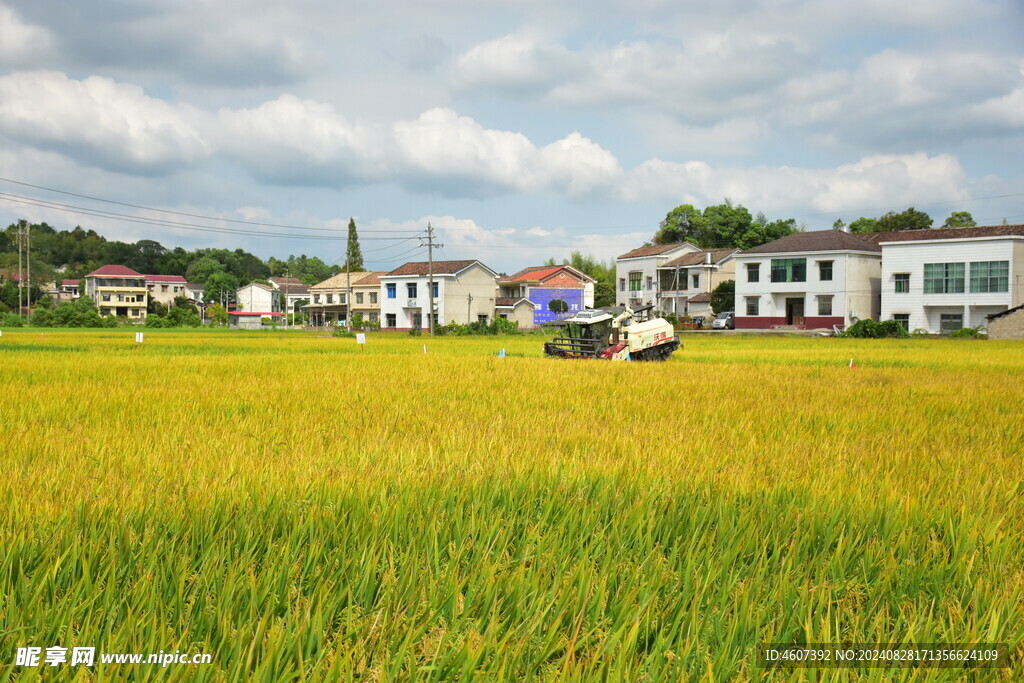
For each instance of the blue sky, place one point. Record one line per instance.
(520, 129)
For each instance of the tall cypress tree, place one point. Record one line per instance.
(353, 255)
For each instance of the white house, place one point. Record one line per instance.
(636, 272)
(258, 298)
(685, 283)
(464, 292)
(808, 280)
(941, 280)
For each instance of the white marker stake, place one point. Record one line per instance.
(424, 349)
(138, 337)
(852, 366)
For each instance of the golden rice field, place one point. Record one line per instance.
(304, 509)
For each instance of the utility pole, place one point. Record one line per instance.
(21, 280)
(348, 294)
(28, 264)
(430, 274)
(469, 307)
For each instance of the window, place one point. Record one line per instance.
(650, 282)
(990, 276)
(903, 319)
(316, 298)
(824, 270)
(902, 281)
(944, 278)
(696, 280)
(163, 288)
(330, 298)
(482, 319)
(950, 322)
(503, 316)
(411, 290)
(359, 297)
(789, 270)
(824, 305)
(753, 307)
(622, 284)
(417, 321)
(753, 272)
(373, 297)
(391, 293)
(391, 321)
(435, 290)
(374, 317)
(634, 281)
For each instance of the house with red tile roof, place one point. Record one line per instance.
(556, 292)
(118, 290)
(165, 288)
(464, 292)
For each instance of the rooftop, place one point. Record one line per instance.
(177, 279)
(655, 250)
(342, 280)
(818, 240)
(114, 271)
(946, 233)
(440, 268)
(698, 257)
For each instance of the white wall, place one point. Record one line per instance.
(925, 310)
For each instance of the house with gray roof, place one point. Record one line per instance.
(463, 292)
(808, 280)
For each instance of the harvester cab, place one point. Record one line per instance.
(597, 334)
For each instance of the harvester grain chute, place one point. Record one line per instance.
(597, 334)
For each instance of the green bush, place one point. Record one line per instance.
(10, 320)
(415, 332)
(872, 329)
(969, 333)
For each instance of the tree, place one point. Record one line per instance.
(217, 314)
(682, 224)
(726, 224)
(558, 306)
(723, 298)
(604, 294)
(220, 286)
(863, 225)
(353, 254)
(911, 219)
(202, 268)
(960, 219)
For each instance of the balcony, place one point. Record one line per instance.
(412, 303)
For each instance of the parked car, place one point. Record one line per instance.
(726, 320)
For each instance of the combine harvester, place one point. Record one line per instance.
(596, 334)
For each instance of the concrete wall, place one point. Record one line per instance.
(1009, 326)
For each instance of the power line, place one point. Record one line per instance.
(182, 213)
(100, 213)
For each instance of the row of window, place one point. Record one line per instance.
(391, 320)
(789, 270)
(410, 288)
(948, 322)
(124, 299)
(950, 278)
(670, 284)
(824, 305)
(360, 298)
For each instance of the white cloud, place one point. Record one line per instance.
(883, 180)
(516, 62)
(20, 42)
(116, 125)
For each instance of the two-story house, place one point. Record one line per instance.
(292, 291)
(257, 297)
(554, 292)
(636, 272)
(464, 292)
(328, 300)
(808, 280)
(165, 288)
(118, 290)
(685, 282)
(944, 279)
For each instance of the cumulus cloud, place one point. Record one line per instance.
(516, 63)
(97, 120)
(20, 42)
(882, 180)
